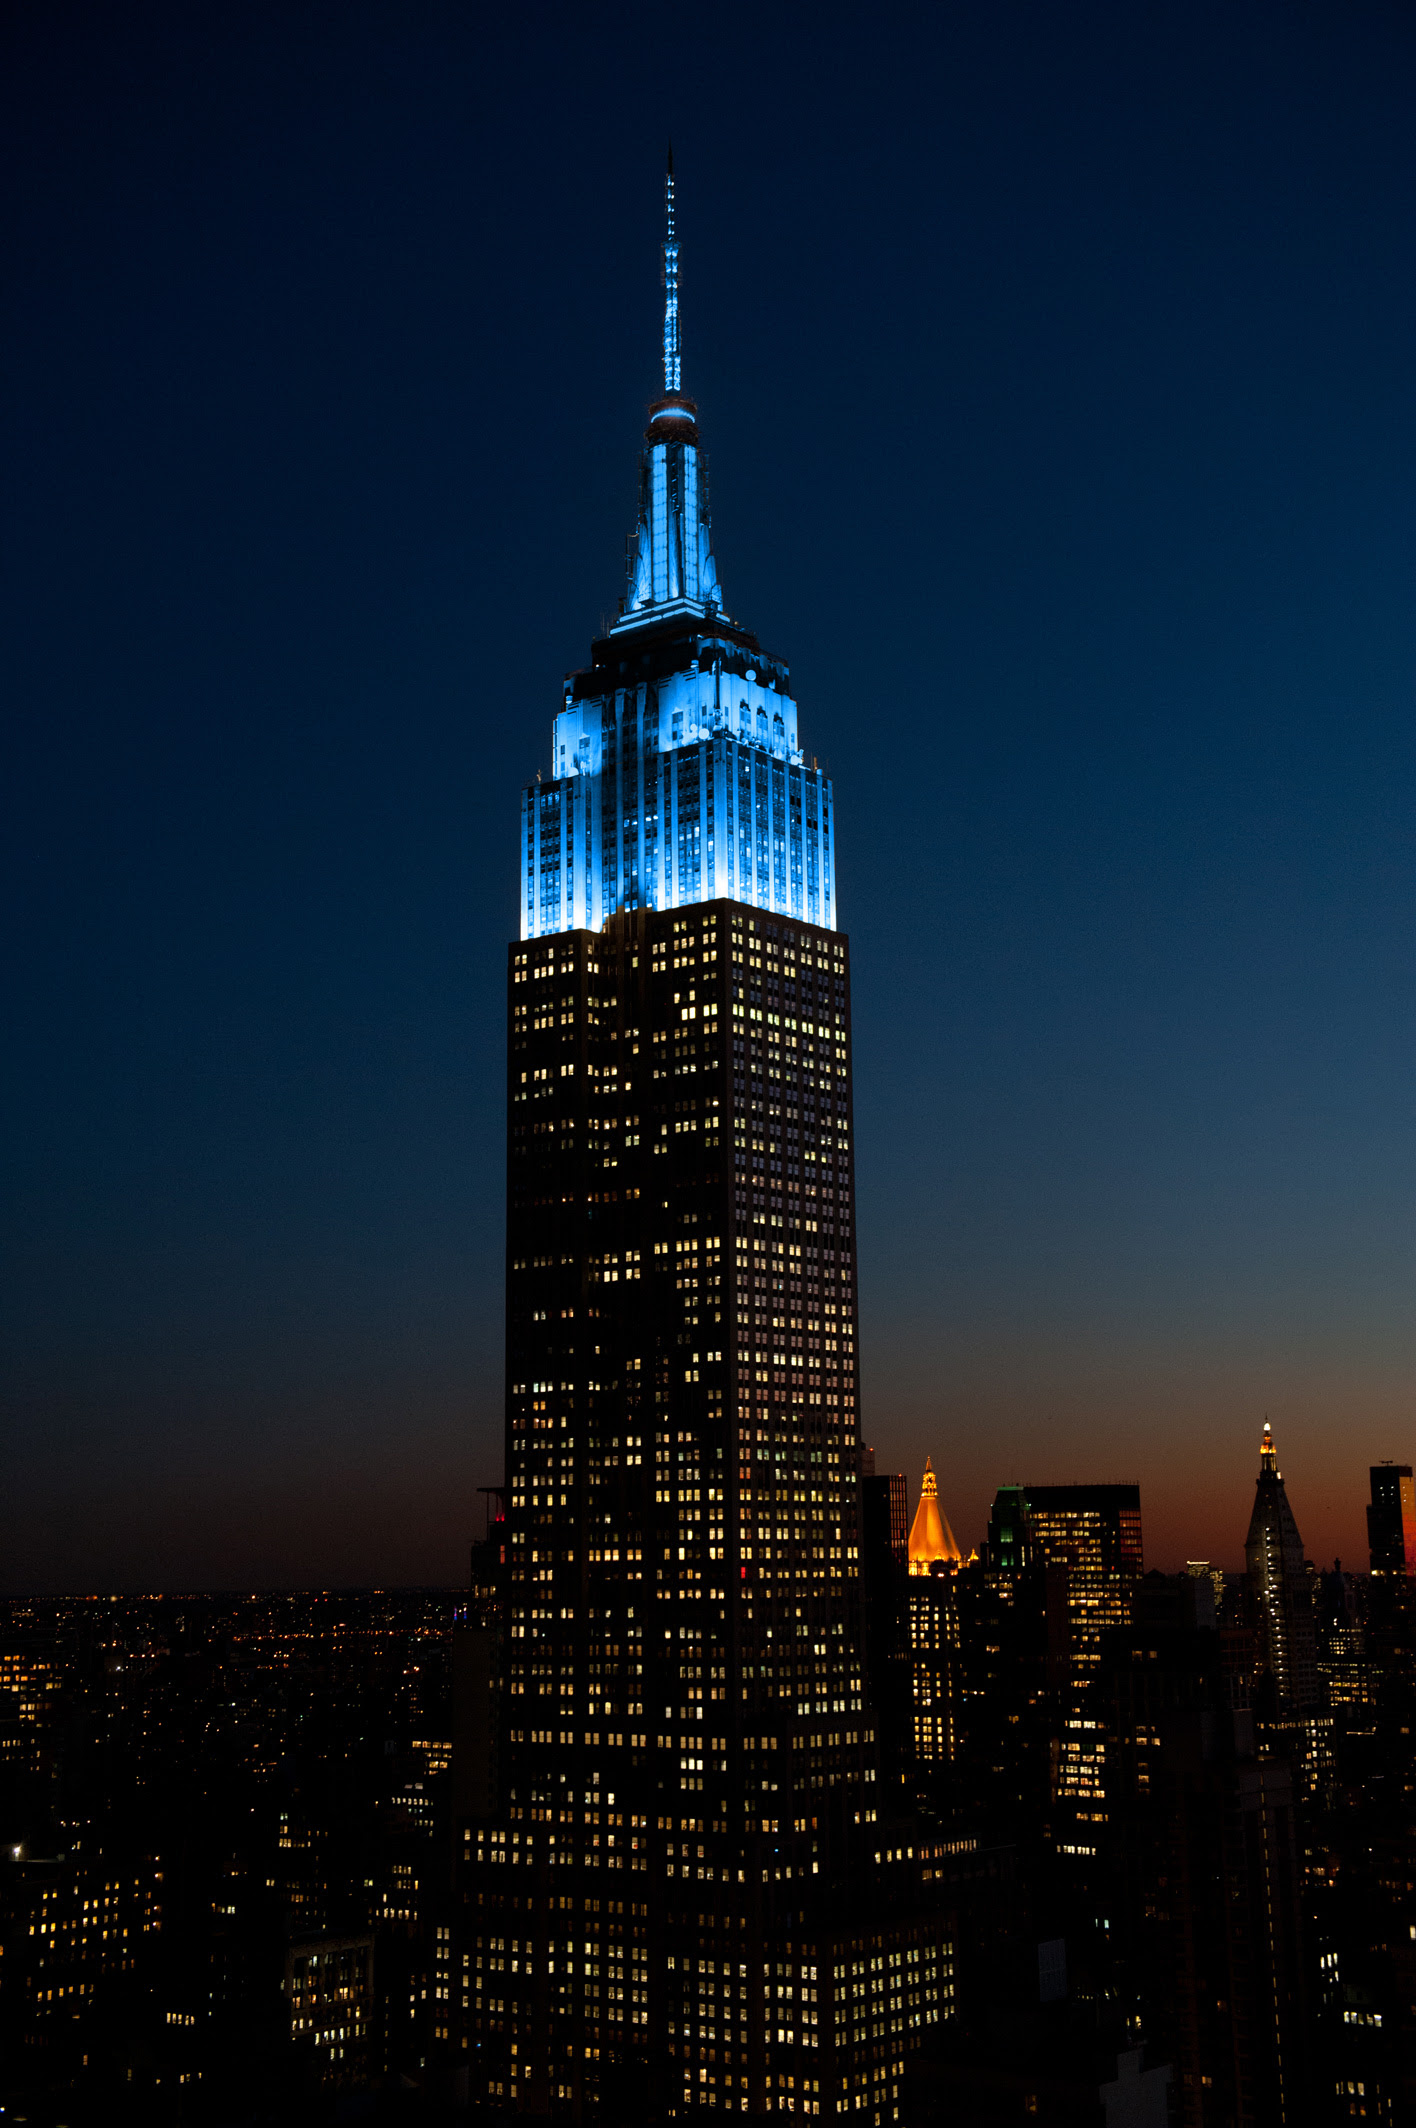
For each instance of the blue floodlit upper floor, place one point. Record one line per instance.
(676, 770)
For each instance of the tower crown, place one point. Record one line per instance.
(931, 1539)
(671, 567)
(1268, 1454)
(677, 776)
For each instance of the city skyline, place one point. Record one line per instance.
(1113, 661)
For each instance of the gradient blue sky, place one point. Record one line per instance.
(1056, 371)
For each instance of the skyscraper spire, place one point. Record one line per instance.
(671, 557)
(671, 316)
(931, 1538)
(1280, 1588)
(675, 676)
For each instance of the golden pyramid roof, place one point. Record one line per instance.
(931, 1538)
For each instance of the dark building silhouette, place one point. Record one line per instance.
(1204, 1870)
(1010, 1657)
(1008, 1547)
(1391, 1519)
(884, 1557)
(885, 1520)
(1067, 1557)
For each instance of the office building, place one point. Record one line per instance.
(1091, 1536)
(329, 1989)
(1066, 1560)
(935, 1683)
(934, 1667)
(1341, 1645)
(677, 1904)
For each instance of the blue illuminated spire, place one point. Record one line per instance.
(671, 562)
(676, 772)
(671, 314)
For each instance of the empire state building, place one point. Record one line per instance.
(677, 1905)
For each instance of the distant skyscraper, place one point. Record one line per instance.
(1391, 1519)
(1092, 1535)
(935, 1684)
(1087, 1541)
(1279, 1588)
(684, 1903)
(1339, 1622)
(1068, 1560)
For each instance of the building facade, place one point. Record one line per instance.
(677, 1903)
(1090, 1536)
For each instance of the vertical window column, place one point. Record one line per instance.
(828, 861)
(795, 782)
(690, 522)
(813, 848)
(659, 519)
(549, 845)
(528, 836)
(609, 807)
(629, 810)
(568, 852)
(652, 835)
(692, 829)
(592, 847)
(642, 797)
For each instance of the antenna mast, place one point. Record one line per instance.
(671, 314)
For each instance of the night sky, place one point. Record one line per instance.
(1055, 368)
